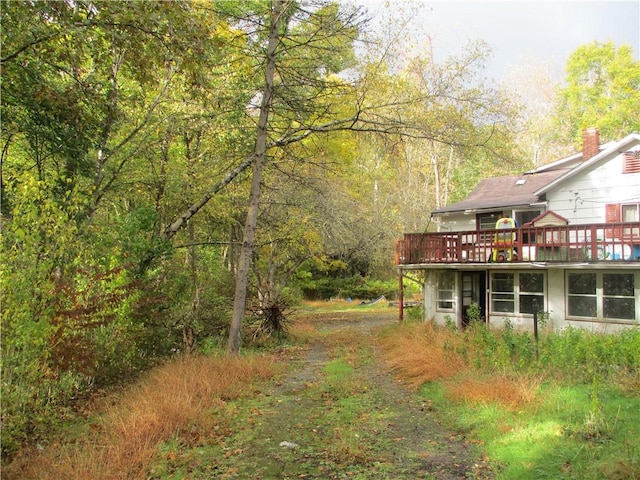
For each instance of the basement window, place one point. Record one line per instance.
(446, 289)
(603, 295)
(517, 292)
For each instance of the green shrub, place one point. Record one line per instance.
(353, 287)
(573, 353)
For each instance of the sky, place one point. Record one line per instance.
(519, 32)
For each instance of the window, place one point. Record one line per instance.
(517, 292)
(446, 290)
(581, 291)
(526, 216)
(630, 213)
(618, 295)
(531, 292)
(601, 295)
(487, 221)
(502, 292)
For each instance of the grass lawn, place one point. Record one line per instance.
(564, 433)
(534, 420)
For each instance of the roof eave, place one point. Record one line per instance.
(486, 209)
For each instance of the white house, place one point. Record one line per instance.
(573, 253)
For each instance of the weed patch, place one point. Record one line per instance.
(181, 400)
(571, 414)
(421, 352)
(510, 392)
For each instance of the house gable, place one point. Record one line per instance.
(613, 151)
(548, 218)
(583, 194)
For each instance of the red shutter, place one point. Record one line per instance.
(631, 162)
(612, 215)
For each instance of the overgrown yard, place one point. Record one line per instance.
(566, 409)
(354, 395)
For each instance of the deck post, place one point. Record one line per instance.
(594, 243)
(400, 296)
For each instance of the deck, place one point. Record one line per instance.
(607, 242)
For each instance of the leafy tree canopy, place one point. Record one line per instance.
(602, 90)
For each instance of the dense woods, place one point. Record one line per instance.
(161, 160)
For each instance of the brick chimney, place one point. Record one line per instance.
(590, 143)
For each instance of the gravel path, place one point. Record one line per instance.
(307, 432)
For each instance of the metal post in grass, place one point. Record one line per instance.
(535, 326)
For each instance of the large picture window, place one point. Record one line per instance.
(606, 295)
(517, 292)
(446, 290)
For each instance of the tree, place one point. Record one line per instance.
(93, 163)
(457, 129)
(304, 46)
(260, 151)
(535, 90)
(602, 90)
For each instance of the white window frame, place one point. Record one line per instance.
(503, 296)
(516, 293)
(443, 293)
(600, 296)
(626, 206)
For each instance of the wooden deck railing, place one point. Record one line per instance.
(606, 242)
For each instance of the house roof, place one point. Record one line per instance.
(568, 162)
(507, 191)
(526, 189)
(543, 217)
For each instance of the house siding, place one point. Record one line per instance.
(555, 304)
(582, 199)
(458, 223)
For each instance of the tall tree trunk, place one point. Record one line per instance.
(435, 165)
(248, 240)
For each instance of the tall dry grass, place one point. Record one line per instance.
(179, 398)
(423, 352)
(508, 391)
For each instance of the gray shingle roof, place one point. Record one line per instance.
(507, 191)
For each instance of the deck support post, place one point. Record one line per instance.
(400, 297)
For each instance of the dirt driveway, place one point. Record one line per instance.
(339, 413)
